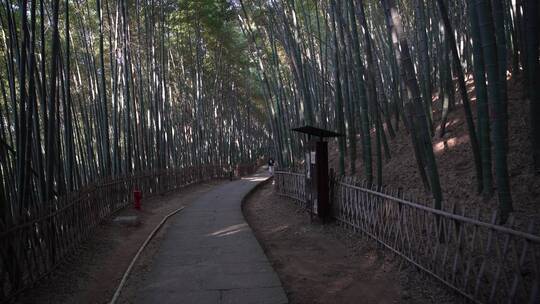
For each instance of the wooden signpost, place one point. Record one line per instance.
(318, 183)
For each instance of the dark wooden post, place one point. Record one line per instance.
(323, 198)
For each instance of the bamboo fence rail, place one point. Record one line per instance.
(482, 261)
(48, 232)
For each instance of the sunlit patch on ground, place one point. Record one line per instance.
(445, 144)
(229, 230)
(255, 178)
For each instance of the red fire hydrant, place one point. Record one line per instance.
(137, 195)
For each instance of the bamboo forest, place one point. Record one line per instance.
(269, 151)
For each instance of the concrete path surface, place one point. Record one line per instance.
(210, 255)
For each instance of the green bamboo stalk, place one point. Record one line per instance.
(489, 51)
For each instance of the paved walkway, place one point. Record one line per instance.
(210, 255)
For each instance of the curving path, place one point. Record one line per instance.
(210, 255)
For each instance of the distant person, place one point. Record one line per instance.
(271, 166)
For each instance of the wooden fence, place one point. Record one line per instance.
(482, 261)
(292, 185)
(33, 247)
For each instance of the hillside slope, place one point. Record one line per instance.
(456, 166)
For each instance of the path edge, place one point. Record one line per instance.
(250, 194)
(243, 207)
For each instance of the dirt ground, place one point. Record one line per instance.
(93, 272)
(326, 264)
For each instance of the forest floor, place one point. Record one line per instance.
(93, 272)
(320, 264)
(455, 161)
